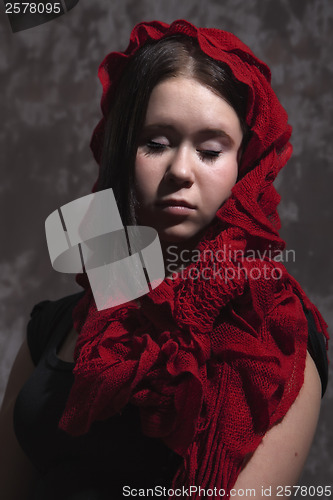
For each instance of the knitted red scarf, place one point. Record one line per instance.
(216, 357)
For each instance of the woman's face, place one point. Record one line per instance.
(186, 162)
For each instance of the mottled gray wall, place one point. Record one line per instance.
(50, 104)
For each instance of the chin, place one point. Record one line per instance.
(178, 236)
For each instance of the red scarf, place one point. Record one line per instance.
(214, 362)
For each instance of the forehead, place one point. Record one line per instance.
(185, 102)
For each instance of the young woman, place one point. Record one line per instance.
(210, 384)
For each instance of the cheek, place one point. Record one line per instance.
(141, 174)
(139, 165)
(232, 175)
(221, 183)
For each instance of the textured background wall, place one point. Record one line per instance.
(50, 104)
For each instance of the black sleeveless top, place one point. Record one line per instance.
(114, 453)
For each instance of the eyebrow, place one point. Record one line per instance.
(202, 134)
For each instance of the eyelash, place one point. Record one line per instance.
(209, 155)
(155, 147)
(158, 148)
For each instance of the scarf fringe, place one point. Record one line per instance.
(208, 464)
(219, 477)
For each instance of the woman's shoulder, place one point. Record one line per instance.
(44, 317)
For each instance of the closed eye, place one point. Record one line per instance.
(155, 147)
(208, 154)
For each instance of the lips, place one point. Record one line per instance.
(175, 203)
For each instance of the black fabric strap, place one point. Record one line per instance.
(317, 350)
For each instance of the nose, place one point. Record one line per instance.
(180, 169)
